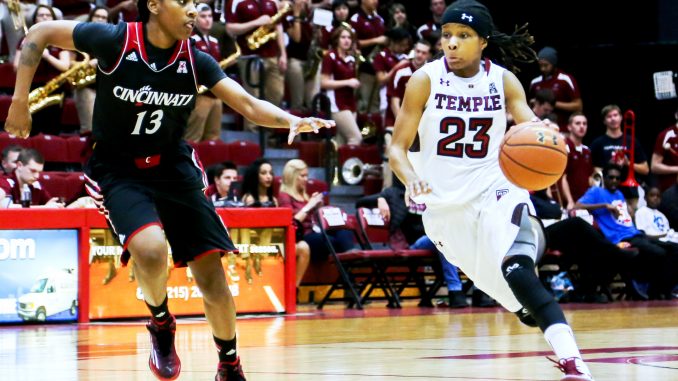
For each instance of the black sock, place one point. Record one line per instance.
(226, 349)
(160, 314)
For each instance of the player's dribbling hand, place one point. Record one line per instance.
(308, 125)
(19, 120)
(416, 188)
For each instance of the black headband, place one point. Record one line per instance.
(481, 24)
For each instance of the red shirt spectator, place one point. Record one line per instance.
(425, 31)
(579, 169)
(396, 88)
(242, 11)
(10, 185)
(337, 68)
(666, 147)
(384, 61)
(287, 201)
(123, 10)
(209, 45)
(367, 26)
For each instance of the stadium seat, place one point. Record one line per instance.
(7, 77)
(312, 153)
(212, 152)
(53, 148)
(7, 139)
(69, 185)
(243, 152)
(5, 101)
(69, 115)
(78, 150)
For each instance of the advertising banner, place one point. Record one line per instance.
(255, 277)
(38, 275)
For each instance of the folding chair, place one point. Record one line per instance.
(375, 233)
(332, 218)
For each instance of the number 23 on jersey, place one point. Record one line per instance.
(456, 128)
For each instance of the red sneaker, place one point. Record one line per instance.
(574, 369)
(230, 371)
(164, 362)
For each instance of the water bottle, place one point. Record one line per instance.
(26, 196)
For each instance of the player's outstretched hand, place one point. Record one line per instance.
(416, 188)
(308, 125)
(19, 120)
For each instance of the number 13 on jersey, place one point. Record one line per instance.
(155, 119)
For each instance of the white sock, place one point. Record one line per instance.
(561, 339)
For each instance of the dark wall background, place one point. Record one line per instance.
(612, 48)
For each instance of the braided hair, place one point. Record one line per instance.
(506, 50)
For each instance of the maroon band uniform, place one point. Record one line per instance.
(667, 146)
(366, 27)
(579, 169)
(338, 69)
(242, 11)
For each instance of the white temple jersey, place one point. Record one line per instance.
(459, 134)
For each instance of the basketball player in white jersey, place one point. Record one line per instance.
(452, 121)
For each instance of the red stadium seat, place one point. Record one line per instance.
(312, 153)
(243, 152)
(7, 139)
(5, 101)
(69, 185)
(78, 150)
(7, 76)
(53, 148)
(212, 152)
(69, 115)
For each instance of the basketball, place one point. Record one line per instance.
(533, 156)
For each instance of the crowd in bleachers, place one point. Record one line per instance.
(350, 60)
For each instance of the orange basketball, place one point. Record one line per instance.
(533, 156)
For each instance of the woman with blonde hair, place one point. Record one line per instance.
(293, 195)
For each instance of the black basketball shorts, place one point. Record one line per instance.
(170, 198)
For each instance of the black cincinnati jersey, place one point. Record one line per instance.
(144, 94)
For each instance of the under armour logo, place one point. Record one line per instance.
(468, 17)
(446, 83)
(511, 268)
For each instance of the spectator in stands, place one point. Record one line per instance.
(657, 262)
(221, 192)
(7, 29)
(84, 96)
(437, 8)
(397, 18)
(243, 17)
(611, 148)
(405, 224)
(204, 123)
(563, 85)
(257, 186)
(597, 259)
(299, 28)
(544, 103)
(665, 156)
(293, 194)
(338, 78)
(579, 170)
(340, 14)
(10, 155)
(54, 61)
(388, 59)
(123, 10)
(73, 9)
(395, 92)
(369, 32)
(669, 204)
(653, 222)
(29, 165)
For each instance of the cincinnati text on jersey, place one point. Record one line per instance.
(148, 96)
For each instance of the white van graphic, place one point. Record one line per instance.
(51, 294)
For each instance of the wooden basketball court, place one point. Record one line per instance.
(621, 341)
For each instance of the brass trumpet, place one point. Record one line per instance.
(265, 33)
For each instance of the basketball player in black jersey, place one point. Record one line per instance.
(147, 179)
